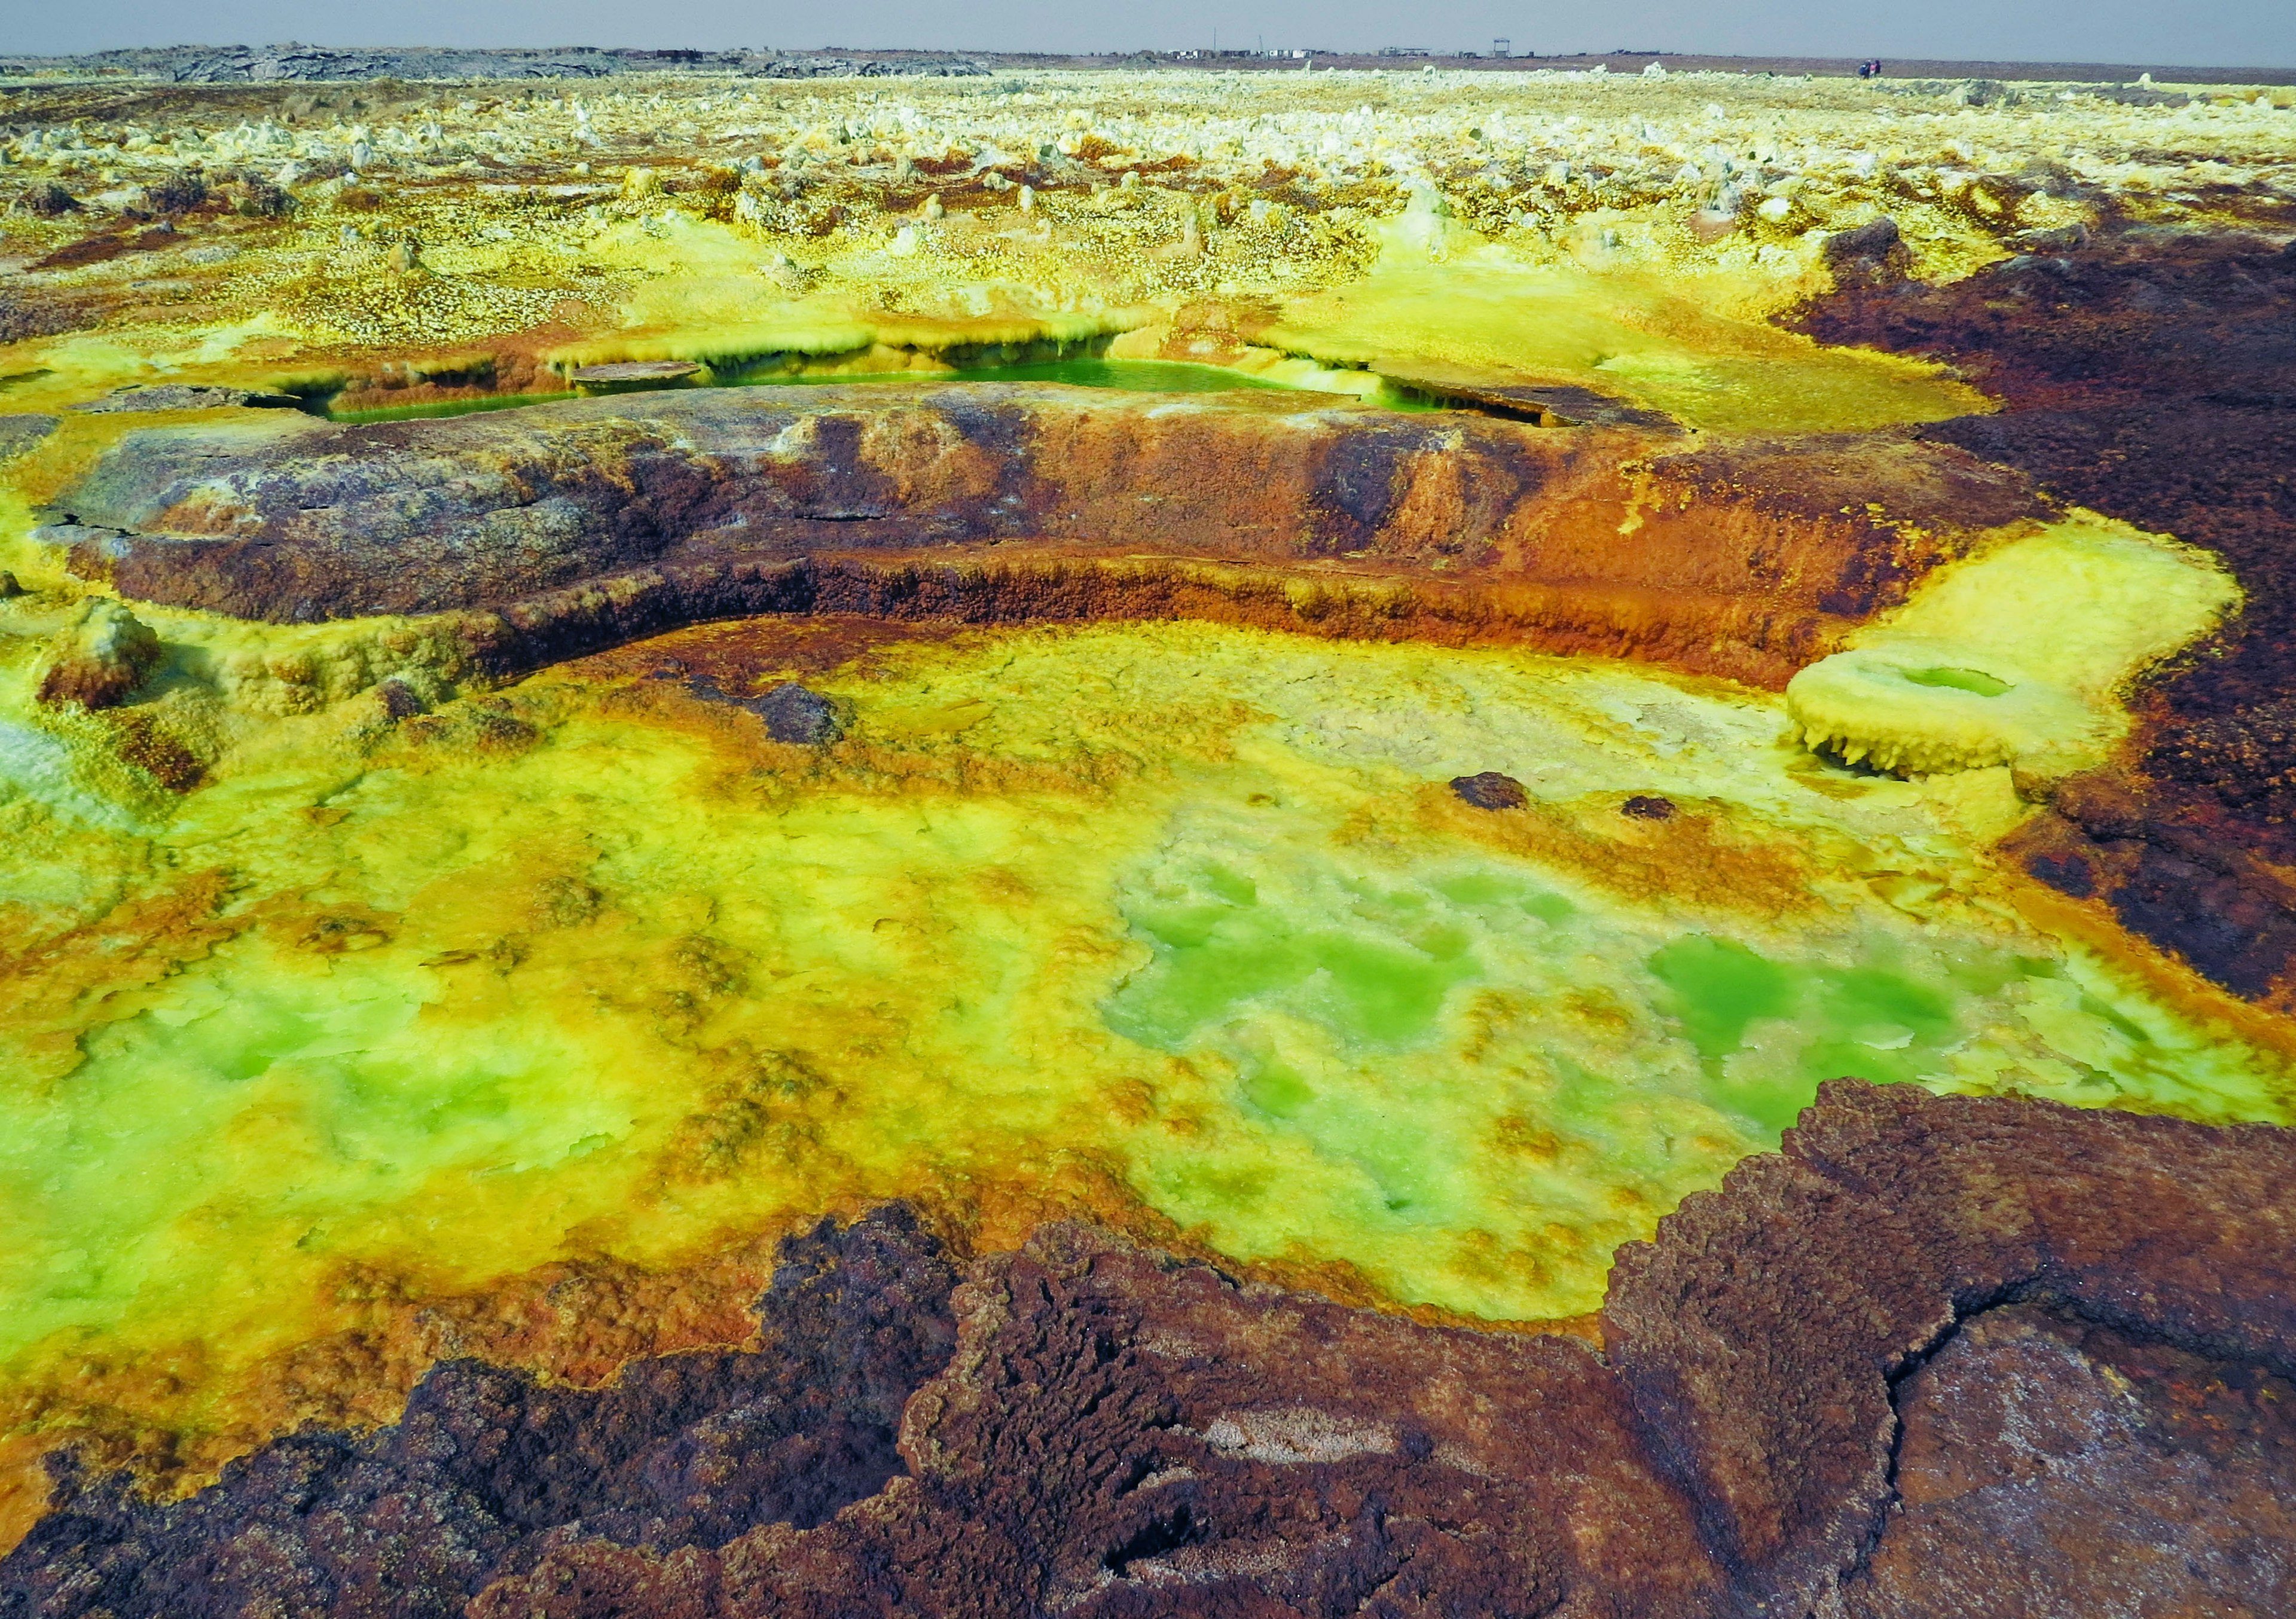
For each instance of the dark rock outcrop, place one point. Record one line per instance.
(1872, 254)
(487, 1469)
(795, 714)
(186, 396)
(1767, 1331)
(2168, 875)
(1940, 1357)
(21, 431)
(2129, 1476)
(585, 523)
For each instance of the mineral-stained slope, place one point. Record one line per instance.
(681, 1450)
(1942, 1357)
(586, 523)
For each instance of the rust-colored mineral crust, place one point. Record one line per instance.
(1940, 1357)
(570, 526)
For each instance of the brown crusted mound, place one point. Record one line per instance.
(1939, 1357)
(581, 524)
(2152, 377)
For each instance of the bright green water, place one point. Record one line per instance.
(1138, 376)
(451, 407)
(1135, 376)
(1976, 682)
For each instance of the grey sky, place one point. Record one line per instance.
(2228, 33)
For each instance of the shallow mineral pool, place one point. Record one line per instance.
(1134, 376)
(1180, 924)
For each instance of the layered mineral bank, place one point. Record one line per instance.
(811, 836)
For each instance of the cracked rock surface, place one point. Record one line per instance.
(1931, 1341)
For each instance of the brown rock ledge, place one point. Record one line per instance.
(1939, 1357)
(583, 523)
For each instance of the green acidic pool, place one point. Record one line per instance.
(1132, 376)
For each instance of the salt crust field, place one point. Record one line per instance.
(1367, 679)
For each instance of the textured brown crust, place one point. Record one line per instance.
(577, 526)
(1857, 1381)
(1764, 1333)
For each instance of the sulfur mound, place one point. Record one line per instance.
(1852, 1381)
(101, 659)
(2016, 656)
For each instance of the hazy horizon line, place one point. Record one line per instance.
(1262, 52)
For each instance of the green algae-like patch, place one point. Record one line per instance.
(1183, 914)
(1221, 952)
(1135, 376)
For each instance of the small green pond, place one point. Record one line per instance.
(1133, 376)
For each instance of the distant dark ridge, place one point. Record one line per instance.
(244, 64)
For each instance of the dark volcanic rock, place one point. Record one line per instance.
(181, 397)
(48, 201)
(22, 431)
(487, 1469)
(397, 700)
(1648, 806)
(1763, 1334)
(1122, 1435)
(1873, 255)
(2168, 875)
(2130, 1477)
(792, 714)
(1940, 1358)
(1490, 790)
(175, 193)
(1550, 405)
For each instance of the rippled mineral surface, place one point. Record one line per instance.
(1080, 842)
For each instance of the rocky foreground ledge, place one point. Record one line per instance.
(1944, 1357)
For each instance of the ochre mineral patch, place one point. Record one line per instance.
(101, 659)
